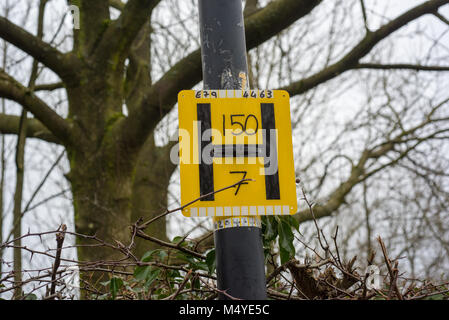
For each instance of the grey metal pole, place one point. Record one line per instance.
(238, 250)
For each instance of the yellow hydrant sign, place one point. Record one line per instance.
(238, 138)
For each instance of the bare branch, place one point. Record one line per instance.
(365, 18)
(35, 129)
(60, 63)
(49, 86)
(119, 36)
(358, 171)
(441, 17)
(352, 58)
(404, 66)
(13, 90)
(59, 242)
(117, 4)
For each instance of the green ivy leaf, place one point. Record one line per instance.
(210, 261)
(200, 266)
(196, 283)
(141, 272)
(186, 257)
(292, 222)
(148, 256)
(162, 254)
(115, 285)
(174, 274)
(31, 296)
(266, 253)
(286, 247)
(285, 255)
(152, 275)
(178, 239)
(271, 229)
(193, 262)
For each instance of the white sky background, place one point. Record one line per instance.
(334, 103)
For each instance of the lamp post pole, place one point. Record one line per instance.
(239, 251)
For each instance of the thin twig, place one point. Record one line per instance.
(392, 271)
(146, 224)
(59, 242)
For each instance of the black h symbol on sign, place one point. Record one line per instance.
(206, 171)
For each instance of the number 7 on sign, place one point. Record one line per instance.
(242, 182)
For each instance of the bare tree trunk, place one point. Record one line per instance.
(20, 163)
(150, 191)
(2, 160)
(367, 222)
(153, 169)
(2, 184)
